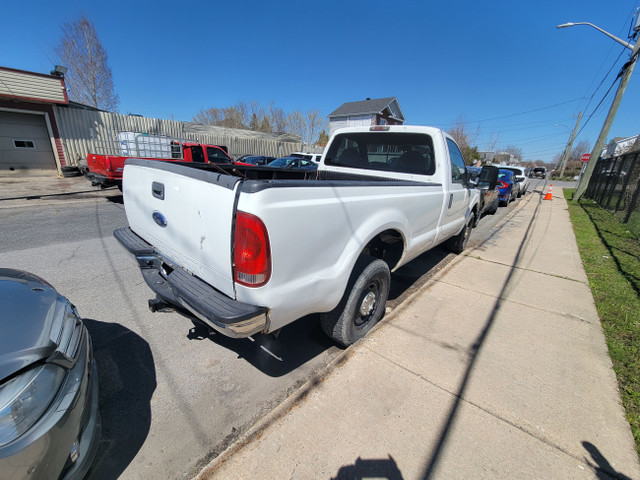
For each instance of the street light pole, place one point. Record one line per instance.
(627, 70)
(567, 151)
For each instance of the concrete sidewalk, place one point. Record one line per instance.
(497, 368)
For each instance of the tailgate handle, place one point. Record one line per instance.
(157, 189)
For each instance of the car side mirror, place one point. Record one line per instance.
(489, 174)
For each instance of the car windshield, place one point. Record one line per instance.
(517, 171)
(390, 151)
(281, 162)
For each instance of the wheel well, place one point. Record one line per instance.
(388, 246)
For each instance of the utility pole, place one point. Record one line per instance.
(567, 151)
(627, 70)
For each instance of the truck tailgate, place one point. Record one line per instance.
(186, 214)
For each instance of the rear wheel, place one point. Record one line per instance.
(458, 243)
(494, 207)
(363, 303)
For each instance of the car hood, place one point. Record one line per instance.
(28, 306)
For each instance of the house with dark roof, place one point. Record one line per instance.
(377, 111)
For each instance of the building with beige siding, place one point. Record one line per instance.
(42, 132)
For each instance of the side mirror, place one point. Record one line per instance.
(489, 174)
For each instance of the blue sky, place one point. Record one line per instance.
(503, 67)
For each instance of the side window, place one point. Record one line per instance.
(19, 143)
(196, 153)
(457, 162)
(215, 155)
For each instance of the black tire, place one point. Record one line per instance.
(363, 303)
(458, 243)
(495, 206)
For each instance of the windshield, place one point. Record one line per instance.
(389, 151)
(280, 162)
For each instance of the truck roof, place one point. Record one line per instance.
(391, 128)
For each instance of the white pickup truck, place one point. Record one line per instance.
(247, 251)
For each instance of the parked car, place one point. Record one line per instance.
(485, 181)
(391, 192)
(257, 160)
(315, 157)
(508, 186)
(539, 172)
(521, 177)
(293, 162)
(49, 418)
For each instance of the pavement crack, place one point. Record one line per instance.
(506, 298)
(516, 267)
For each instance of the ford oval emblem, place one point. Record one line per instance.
(159, 219)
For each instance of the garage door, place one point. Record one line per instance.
(25, 146)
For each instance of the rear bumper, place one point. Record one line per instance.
(176, 286)
(102, 180)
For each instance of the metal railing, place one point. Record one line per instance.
(615, 186)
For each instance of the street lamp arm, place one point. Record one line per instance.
(628, 45)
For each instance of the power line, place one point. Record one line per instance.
(514, 114)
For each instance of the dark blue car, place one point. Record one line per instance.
(508, 186)
(293, 162)
(257, 160)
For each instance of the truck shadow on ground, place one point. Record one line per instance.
(408, 278)
(274, 354)
(116, 198)
(299, 342)
(127, 380)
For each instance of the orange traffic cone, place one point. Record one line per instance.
(548, 195)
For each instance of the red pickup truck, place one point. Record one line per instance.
(106, 170)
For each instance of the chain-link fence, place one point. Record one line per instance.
(615, 186)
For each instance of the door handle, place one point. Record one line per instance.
(157, 190)
(450, 200)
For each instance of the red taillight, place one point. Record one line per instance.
(251, 251)
(502, 184)
(107, 164)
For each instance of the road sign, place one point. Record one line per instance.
(585, 157)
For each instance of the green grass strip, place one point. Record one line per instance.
(611, 257)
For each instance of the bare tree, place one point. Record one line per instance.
(88, 74)
(315, 124)
(493, 141)
(582, 147)
(516, 152)
(252, 116)
(465, 138)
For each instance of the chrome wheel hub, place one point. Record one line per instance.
(368, 302)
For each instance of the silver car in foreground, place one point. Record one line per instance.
(49, 418)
